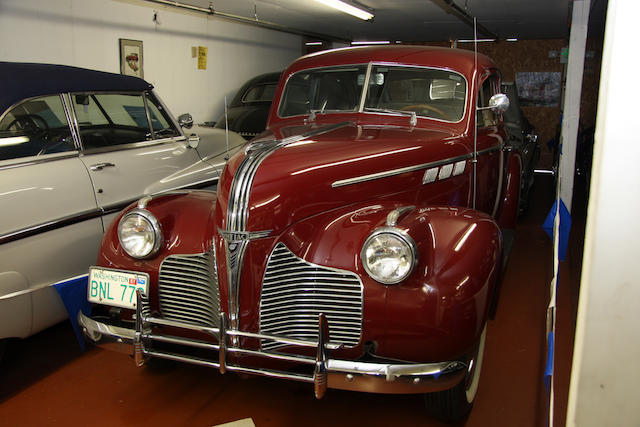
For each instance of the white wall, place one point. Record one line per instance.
(85, 33)
(606, 372)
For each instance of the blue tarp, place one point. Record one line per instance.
(565, 227)
(74, 296)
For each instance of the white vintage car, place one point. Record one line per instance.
(76, 147)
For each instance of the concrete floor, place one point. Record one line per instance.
(46, 380)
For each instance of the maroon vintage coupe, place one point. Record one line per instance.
(360, 236)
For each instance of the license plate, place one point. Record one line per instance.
(115, 287)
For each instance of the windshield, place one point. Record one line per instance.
(424, 92)
(431, 93)
(323, 90)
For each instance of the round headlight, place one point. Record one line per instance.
(139, 234)
(389, 256)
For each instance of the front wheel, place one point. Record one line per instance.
(455, 404)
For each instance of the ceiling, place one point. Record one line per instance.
(417, 20)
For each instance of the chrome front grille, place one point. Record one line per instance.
(188, 289)
(295, 292)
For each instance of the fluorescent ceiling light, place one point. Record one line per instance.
(370, 42)
(313, 44)
(478, 40)
(512, 40)
(347, 8)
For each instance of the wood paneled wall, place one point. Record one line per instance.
(533, 56)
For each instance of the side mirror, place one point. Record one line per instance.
(499, 103)
(185, 120)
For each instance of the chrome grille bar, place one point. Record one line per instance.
(295, 292)
(188, 289)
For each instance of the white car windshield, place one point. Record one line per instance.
(425, 92)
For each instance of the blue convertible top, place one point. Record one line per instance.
(20, 80)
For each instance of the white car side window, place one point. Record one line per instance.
(112, 119)
(35, 127)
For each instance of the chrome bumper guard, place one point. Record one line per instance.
(327, 372)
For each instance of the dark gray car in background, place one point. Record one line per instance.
(523, 138)
(248, 111)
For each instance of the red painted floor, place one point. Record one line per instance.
(47, 381)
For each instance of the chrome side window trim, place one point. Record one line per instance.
(133, 145)
(154, 97)
(145, 102)
(72, 122)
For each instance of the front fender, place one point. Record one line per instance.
(187, 222)
(440, 310)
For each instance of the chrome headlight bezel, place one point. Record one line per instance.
(401, 236)
(152, 221)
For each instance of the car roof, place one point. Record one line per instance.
(21, 80)
(461, 60)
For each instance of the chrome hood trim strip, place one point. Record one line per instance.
(238, 210)
(256, 153)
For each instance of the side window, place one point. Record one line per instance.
(162, 126)
(489, 88)
(34, 128)
(107, 120)
(112, 119)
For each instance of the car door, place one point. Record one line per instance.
(50, 225)
(489, 149)
(131, 146)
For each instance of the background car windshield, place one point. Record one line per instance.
(431, 93)
(323, 90)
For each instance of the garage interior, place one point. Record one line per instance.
(47, 380)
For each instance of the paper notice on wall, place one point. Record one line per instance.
(202, 58)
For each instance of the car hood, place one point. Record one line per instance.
(319, 168)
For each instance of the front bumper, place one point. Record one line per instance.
(326, 372)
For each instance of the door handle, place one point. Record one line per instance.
(100, 166)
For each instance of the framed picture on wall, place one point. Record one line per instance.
(131, 58)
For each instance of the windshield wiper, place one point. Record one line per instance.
(412, 114)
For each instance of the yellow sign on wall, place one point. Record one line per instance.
(202, 58)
